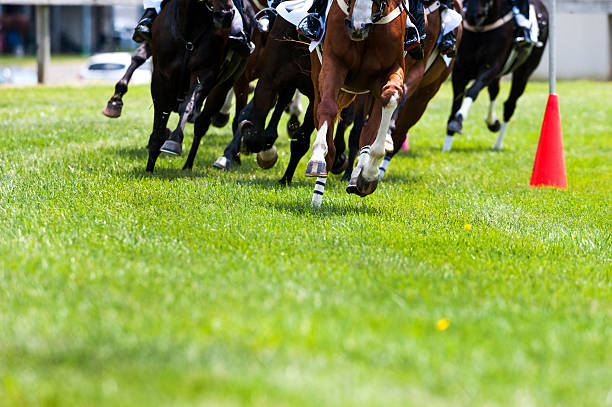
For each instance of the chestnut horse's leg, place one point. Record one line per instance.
(115, 104)
(367, 169)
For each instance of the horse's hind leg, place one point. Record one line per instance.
(159, 135)
(520, 77)
(300, 142)
(115, 104)
(491, 118)
(295, 109)
(460, 81)
(213, 104)
(353, 142)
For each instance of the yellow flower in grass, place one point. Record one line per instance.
(467, 226)
(443, 324)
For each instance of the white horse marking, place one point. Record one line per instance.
(227, 106)
(499, 143)
(491, 116)
(448, 144)
(370, 169)
(362, 14)
(465, 107)
(319, 148)
(295, 108)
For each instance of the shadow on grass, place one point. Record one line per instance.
(328, 208)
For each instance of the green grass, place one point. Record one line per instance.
(119, 288)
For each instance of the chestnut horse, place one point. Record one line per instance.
(423, 81)
(363, 53)
(485, 55)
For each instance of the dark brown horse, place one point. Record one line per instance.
(241, 87)
(485, 55)
(192, 61)
(363, 53)
(423, 81)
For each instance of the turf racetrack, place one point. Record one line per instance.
(455, 284)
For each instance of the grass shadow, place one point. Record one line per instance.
(328, 208)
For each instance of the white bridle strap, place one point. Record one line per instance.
(385, 20)
(489, 27)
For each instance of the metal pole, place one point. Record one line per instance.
(552, 60)
(43, 43)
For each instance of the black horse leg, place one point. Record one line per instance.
(300, 144)
(158, 136)
(232, 150)
(341, 161)
(284, 98)
(115, 104)
(358, 123)
(491, 119)
(199, 90)
(214, 102)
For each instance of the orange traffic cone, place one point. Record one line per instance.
(549, 165)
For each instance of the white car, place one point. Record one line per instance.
(112, 66)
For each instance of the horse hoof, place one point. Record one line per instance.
(316, 169)
(285, 182)
(220, 120)
(222, 163)
(366, 187)
(112, 110)
(340, 165)
(495, 127)
(267, 159)
(172, 147)
(454, 126)
(498, 146)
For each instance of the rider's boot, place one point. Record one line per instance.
(265, 18)
(522, 25)
(142, 32)
(239, 39)
(311, 26)
(414, 39)
(448, 42)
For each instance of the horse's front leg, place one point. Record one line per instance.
(327, 90)
(198, 89)
(373, 137)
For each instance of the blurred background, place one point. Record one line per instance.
(78, 29)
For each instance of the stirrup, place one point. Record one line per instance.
(266, 14)
(311, 36)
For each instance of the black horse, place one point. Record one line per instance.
(486, 53)
(193, 60)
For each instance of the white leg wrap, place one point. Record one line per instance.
(499, 143)
(491, 117)
(448, 144)
(317, 197)
(370, 169)
(319, 148)
(389, 145)
(465, 107)
(229, 99)
(384, 166)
